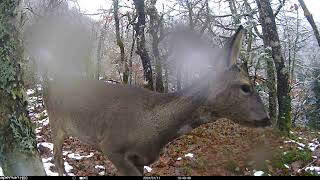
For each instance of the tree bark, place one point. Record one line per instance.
(100, 49)
(271, 40)
(155, 23)
(124, 64)
(178, 78)
(272, 87)
(18, 146)
(166, 77)
(309, 17)
(141, 47)
(130, 58)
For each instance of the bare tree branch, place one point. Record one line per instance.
(279, 7)
(309, 17)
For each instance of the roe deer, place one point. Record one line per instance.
(130, 125)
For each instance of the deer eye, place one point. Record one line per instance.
(246, 89)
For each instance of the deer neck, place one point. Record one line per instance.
(178, 112)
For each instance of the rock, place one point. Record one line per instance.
(295, 166)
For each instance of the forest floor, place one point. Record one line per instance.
(222, 148)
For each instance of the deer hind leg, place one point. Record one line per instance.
(58, 139)
(124, 165)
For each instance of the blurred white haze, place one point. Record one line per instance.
(62, 44)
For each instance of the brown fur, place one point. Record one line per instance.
(130, 125)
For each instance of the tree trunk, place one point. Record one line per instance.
(100, 49)
(18, 146)
(233, 9)
(130, 58)
(271, 40)
(309, 17)
(141, 47)
(178, 78)
(124, 64)
(166, 76)
(155, 23)
(272, 87)
(295, 50)
(190, 15)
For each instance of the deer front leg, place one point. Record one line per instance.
(141, 169)
(58, 139)
(124, 165)
(137, 160)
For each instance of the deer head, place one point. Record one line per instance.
(234, 96)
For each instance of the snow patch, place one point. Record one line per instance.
(44, 122)
(314, 145)
(313, 169)
(1, 171)
(179, 158)
(47, 165)
(189, 155)
(30, 91)
(301, 145)
(102, 173)
(45, 160)
(39, 87)
(78, 156)
(258, 173)
(149, 169)
(38, 130)
(285, 165)
(68, 168)
(99, 167)
(293, 141)
(31, 108)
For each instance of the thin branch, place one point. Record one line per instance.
(279, 7)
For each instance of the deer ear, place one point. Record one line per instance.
(233, 46)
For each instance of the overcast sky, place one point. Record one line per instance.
(91, 6)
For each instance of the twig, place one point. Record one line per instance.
(308, 165)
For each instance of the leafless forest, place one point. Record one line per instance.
(160, 87)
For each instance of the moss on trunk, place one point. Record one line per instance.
(18, 151)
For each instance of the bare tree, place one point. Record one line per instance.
(100, 48)
(124, 65)
(141, 43)
(271, 40)
(155, 28)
